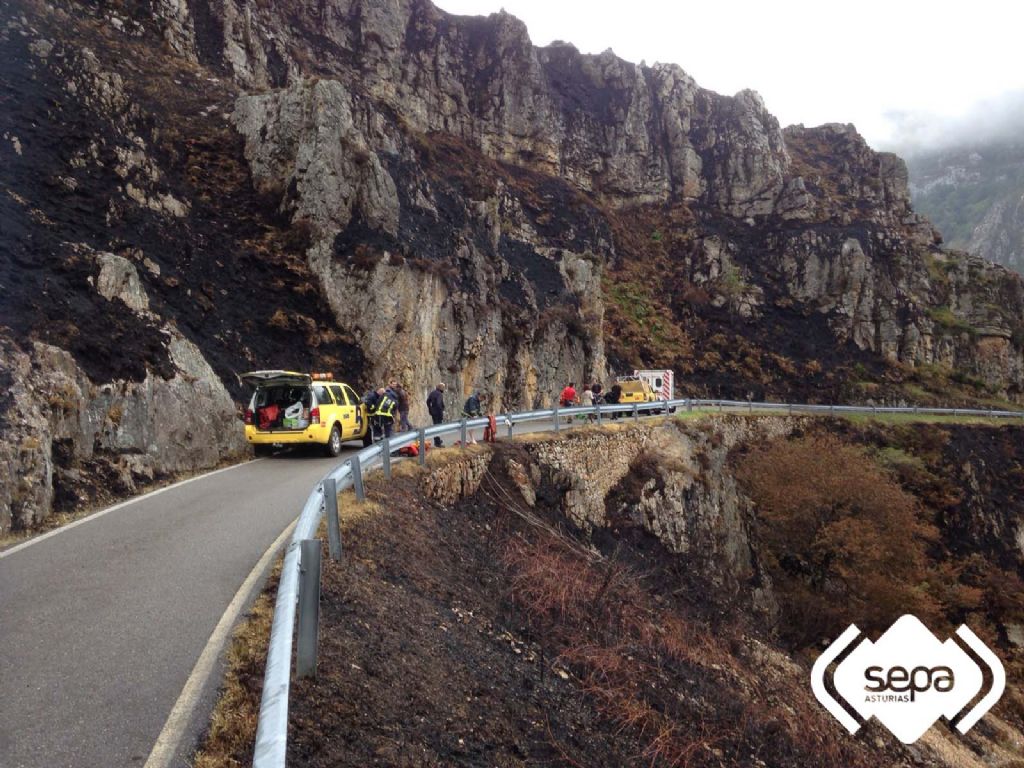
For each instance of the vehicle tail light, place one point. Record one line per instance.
(314, 416)
(248, 415)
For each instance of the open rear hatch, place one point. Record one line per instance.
(276, 378)
(282, 401)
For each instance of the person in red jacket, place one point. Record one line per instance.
(568, 397)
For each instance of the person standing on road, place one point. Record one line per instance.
(383, 414)
(435, 407)
(587, 401)
(402, 398)
(568, 396)
(370, 400)
(613, 397)
(472, 410)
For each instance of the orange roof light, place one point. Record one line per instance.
(322, 376)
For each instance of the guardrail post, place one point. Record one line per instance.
(636, 412)
(597, 409)
(462, 433)
(333, 522)
(750, 407)
(790, 409)
(954, 413)
(831, 410)
(874, 409)
(423, 446)
(385, 457)
(309, 608)
(719, 407)
(509, 423)
(556, 417)
(689, 406)
(357, 478)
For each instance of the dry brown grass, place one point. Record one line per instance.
(351, 510)
(436, 457)
(629, 654)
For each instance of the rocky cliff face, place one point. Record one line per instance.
(72, 441)
(668, 482)
(810, 219)
(999, 236)
(388, 190)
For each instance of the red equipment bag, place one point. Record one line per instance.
(268, 415)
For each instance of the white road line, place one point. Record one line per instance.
(170, 737)
(122, 505)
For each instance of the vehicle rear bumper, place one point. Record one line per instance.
(317, 433)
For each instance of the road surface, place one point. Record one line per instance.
(102, 623)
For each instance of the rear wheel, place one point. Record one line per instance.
(333, 447)
(368, 437)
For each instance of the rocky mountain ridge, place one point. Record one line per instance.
(385, 189)
(975, 195)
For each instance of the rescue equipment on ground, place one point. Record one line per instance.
(412, 450)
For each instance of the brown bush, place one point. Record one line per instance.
(843, 541)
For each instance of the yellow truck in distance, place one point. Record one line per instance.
(635, 390)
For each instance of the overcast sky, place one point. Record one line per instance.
(900, 70)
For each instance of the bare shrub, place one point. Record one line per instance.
(842, 539)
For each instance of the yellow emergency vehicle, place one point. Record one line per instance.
(291, 408)
(635, 390)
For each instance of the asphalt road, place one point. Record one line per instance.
(101, 624)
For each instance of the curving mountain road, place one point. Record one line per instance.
(102, 622)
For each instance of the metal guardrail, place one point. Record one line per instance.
(272, 730)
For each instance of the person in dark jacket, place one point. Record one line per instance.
(435, 407)
(370, 399)
(402, 398)
(472, 407)
(612, 396)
